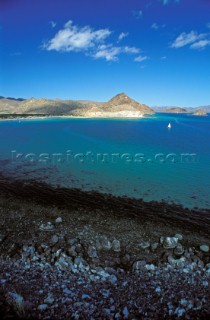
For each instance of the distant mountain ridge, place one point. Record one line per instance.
(187, 109)
(119, 106)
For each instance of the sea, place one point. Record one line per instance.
(137, 158)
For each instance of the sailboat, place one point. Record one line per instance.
(169, 125)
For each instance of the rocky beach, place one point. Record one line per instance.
(69, 254)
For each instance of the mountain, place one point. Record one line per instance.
(176, 110)
(200, 112)
(170, 109)
(205, 108)
(119, 106)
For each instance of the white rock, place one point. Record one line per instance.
(204, 248)
(179, 236)
(42, 307)
(150, 267)
(138, 265)
(125, 312)
(116, 245)
(59, 220)
(46, 227)
(49, 299)
(144, 245)
(170, 242)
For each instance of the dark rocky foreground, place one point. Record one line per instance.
(68, 254)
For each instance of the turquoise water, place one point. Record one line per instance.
(139, 158)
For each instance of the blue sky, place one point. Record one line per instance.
(157, 51)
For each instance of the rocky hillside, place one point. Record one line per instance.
(200, 112)
(119, 106)
(176, 110)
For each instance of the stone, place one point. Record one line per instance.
(49, 299)
(116, 245)
(204, 248)
(63, 263)
(179, 250)
(106, 244)
(170, 242)
(179, 236)
(59, 220)
(85, 296)
(98, 245)
(46, 227)
(154, 246)
(42, 307)
(144, 245)
(138, 265)
(71, 241)
(80, 262)
(125, 259)
(72, 251)
(205, 283)
(78, 248)
(125, 312)
(54, 239)
(92, 252)
(179, 263)
(112, 278)
(150, 267)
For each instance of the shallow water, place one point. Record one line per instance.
(139, 158)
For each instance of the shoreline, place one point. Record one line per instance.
(62, 197)
(66, 252)
(29, 117)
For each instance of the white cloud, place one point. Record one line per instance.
(163, 58)
(91, 42)
(74, 38)
(141, 58)
(133, 50)
(110, 52)
(122, 36)
(200, 44)
(187, 38)
(155, 26)
(53, 24)
(165, 2)
(107, 52)
(138, 14)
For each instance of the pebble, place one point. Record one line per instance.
(125, 312)
(106, 244)
(179, 236)
(179, 250)
(42, 307)
(54, 239)
(92, 252)
(49, 300)
(47, 227)
(144, 244)
(204, 248)
(116, 245)
(154, 246)
(72, 251)
(139, 265)
(59, 220)
(170, 242)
